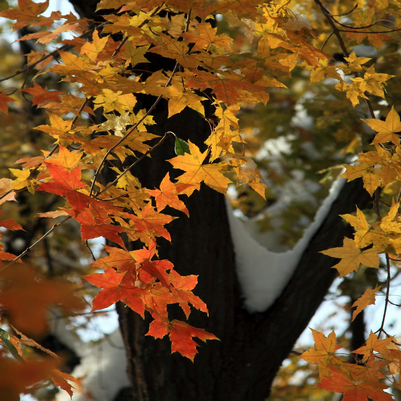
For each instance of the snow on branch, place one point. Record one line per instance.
(263, 274)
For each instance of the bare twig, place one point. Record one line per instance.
(46, 234)
(381, 330)
(135, 163)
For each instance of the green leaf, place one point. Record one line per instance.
(5, 337)
(181, 146)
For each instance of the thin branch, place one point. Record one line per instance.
(136, 162)
(53, 54)
(326, 40)
(46, 234)
(336, 32)
(349, 12)
(369, 32)
(133, 128)
(381, 330)
(154, 12)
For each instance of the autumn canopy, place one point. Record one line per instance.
(96, 130)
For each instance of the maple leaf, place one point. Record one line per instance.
(66, 159)
(4, 100)
(28, 14)
(93, 48)
(61, 380)
(118, 101)
(148, 223)
(118, 258)
(353, 389)
(10, 224)
(181, 98)
(205, 38)
(22, 178)
(197, 172)
(386, 130)
(181, 336)
(373, 344)
(114, 289)
(323, 352)
(167, 196)
(94, 226)
(368, 298)
(58, 128)
(42, 96)
(362, 227)
(64, 181)
(351, 257)
(182, 287)
(229, 87)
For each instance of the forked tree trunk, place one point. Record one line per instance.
(242, 366)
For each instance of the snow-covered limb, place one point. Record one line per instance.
(263, 274)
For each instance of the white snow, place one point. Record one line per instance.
(263, 274)
(103, 366)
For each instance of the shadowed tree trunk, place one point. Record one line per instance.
(244, 363)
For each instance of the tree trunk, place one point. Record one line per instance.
(242, 366)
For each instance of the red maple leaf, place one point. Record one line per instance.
(93, 226)
(114, 289)
(64, 181)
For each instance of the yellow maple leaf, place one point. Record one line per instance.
(320, 73)
(181, 98)
(22, 178)
(354, 63)
(92, 49)
(361, 226)
(351, 257)
(386, 130)
(115, 101)
(197, 172)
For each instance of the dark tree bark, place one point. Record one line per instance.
(244, 363)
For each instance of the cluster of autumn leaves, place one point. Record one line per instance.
(103, 70)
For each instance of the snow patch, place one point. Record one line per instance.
(103, 366)
(263, 274)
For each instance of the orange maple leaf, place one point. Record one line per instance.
(42, 96)
(181, 336)
(148, 223)
(197, 172)
(167, 196)
(373, 344)
(323, 352)
(368, 298)
(17, 378)
(61, 380)
(94, 226)
(4, 100)
(114, 289)
(354, 389)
